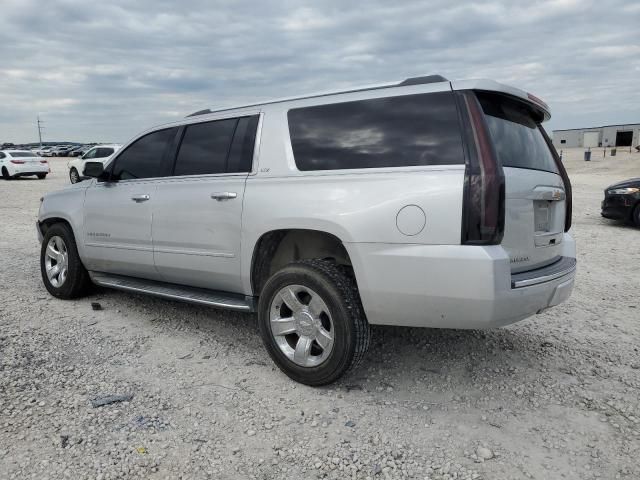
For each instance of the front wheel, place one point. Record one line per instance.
(73, 175)
(62, 271)
(311, 321)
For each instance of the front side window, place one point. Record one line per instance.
(144, 157)
(205, 147)
(410, 130)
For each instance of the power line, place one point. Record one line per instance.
(40, 128)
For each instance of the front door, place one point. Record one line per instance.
(118, 210)
(117, 228)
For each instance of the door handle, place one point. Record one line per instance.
(223, 195)
(140, 198)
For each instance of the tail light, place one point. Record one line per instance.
(18, 162)
(43, 161)
(484, 185)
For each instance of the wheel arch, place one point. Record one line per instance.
(276, 248)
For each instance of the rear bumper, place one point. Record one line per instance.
(25, 170)
(455, 286)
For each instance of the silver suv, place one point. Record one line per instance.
(425, 203)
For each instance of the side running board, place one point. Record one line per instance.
(171, 291)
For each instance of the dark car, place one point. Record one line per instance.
(622, 201)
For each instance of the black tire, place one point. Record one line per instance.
(337, 288)
(42, 176)
(74, 176)
(5, 174)
(77, 281)
(635, 216)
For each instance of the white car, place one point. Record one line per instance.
(99, 153)
(22, 163)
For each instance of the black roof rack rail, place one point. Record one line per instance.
(422, 80)
(200, 112)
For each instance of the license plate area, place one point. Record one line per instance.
(548, 230)
(542, 215)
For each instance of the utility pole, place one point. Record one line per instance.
(40, 128)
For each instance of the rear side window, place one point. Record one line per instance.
(103, 152)
(205, 147)
(221, 146)
(404, 131)
(241, 154)
(516, 134)
(144, 157)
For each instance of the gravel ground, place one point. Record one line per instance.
(554, 396)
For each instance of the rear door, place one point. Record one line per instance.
(535, 196)
(197, 212)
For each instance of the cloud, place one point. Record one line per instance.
(103, 71)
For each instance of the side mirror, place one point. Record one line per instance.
(93, 169)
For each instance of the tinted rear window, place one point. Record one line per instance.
(404, 131)
(22, 154)
(516, 135)
(241, 154)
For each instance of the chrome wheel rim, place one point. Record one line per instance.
(301, 325)
(56, 261)
(74, 176)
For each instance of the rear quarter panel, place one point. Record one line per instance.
(357, 206)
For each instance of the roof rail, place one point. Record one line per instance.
(200, 112)
(422, 80)
(404, 83)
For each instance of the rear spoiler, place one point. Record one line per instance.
(492, 86)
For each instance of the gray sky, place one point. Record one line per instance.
(104, 71)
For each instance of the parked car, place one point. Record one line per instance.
(79, 151)
(76, 151)
(425, 203)
(22, 163)
(622, 201)
(53, 151)
(44, 151)
(99, 152)
(64, 150)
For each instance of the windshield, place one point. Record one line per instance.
(516, 135)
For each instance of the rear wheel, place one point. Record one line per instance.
(42, 176)
(5, 174)
(635, 216)
(73, 175)
(311, 321)
(62, 271)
